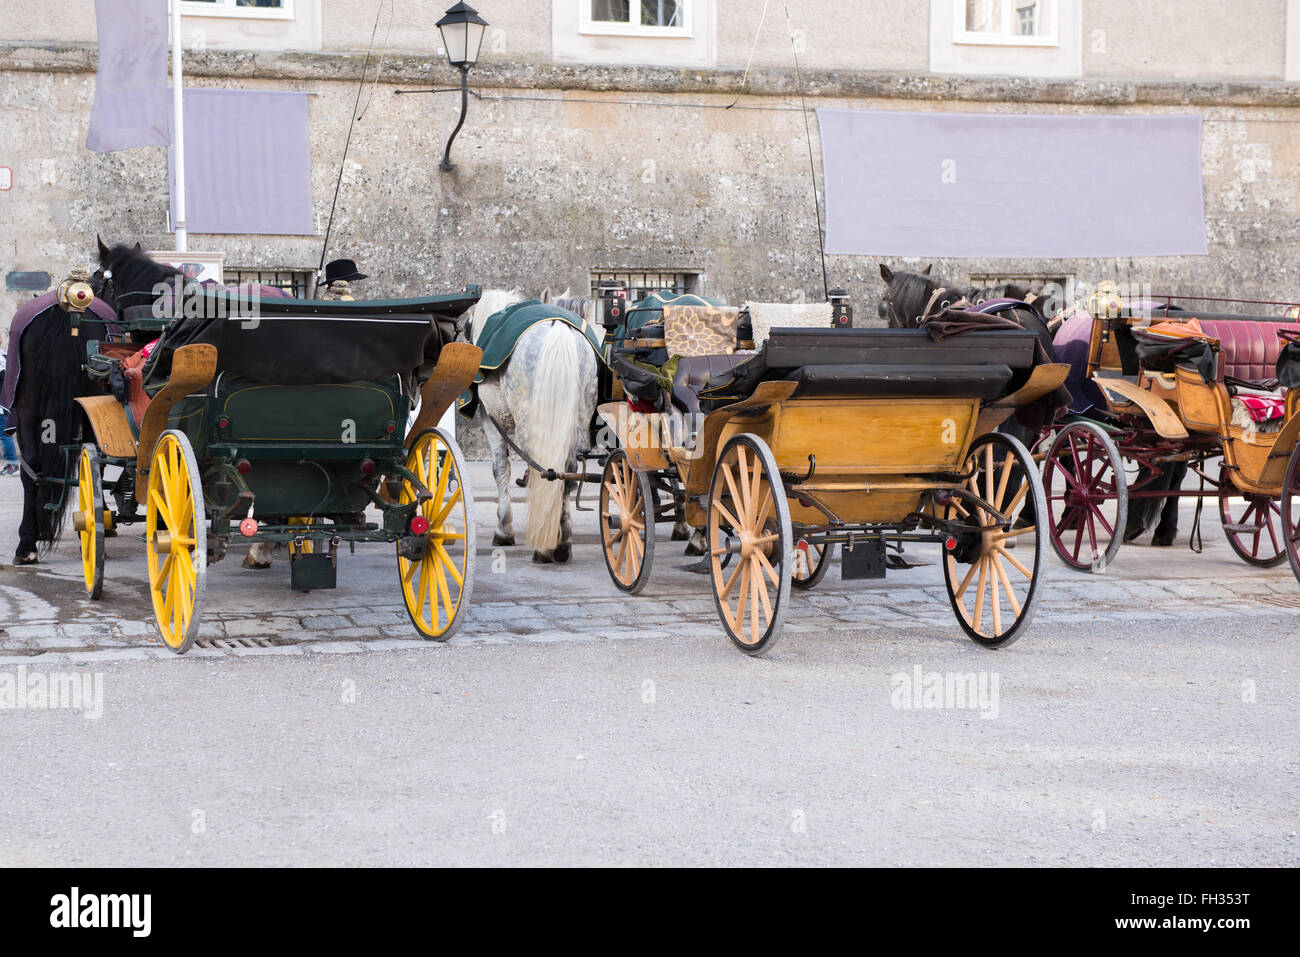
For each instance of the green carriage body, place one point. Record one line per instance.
(282, 425)
(301, 447)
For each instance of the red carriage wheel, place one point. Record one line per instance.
(1087, 496)
(1291, 511)
(1252, 524)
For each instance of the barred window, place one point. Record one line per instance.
(642, 282)
(296, 282)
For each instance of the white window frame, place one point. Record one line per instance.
(633, 27)
(227, 8)
(1007, 36)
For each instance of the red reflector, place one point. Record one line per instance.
(950, 544)
(367, 467)
(419, 525)
(248, 527)
(243, 466)
(223, 422)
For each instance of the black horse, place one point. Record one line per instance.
(49, 378)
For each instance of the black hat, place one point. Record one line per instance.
(344, 269)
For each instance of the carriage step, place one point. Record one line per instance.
(1244, 529)
(898, 562)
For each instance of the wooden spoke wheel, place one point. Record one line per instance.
(1291, 511)
(627, 523)
(89, 519)
(176, 540)
(1087, 496)
(809, 561)
(1252, 525)
(749, 519)
(995, 611)
(438, 578)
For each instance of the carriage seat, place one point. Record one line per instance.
(694, 372)
(1247, 350)
(984, 382)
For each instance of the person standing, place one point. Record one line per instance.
(339, 276)
(11, 466)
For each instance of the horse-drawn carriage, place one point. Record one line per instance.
(864, 438)
(1172, 389)
(277, 420)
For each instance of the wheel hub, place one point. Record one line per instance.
(1078, 498)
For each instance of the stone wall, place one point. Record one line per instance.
(565, 169)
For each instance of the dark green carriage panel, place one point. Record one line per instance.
(283, 489)
(362, 413)
(190, 415)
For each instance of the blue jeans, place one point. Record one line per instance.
(7, 443)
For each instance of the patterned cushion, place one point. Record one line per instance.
(700, 330)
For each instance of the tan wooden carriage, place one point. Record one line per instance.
(867, 439)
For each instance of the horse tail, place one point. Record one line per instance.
(552, 418)
(47, 416)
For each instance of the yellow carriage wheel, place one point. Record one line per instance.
(176, 540)
(89, 519)
(627, 527)
(750, 544)
(992, 590)
(438, 575)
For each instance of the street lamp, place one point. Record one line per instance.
(462, 32)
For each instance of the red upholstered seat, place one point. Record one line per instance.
(1247, 350)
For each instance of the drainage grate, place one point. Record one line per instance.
(1285, 601)
(234, 643)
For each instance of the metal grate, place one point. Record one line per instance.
(234, 643)
(296, 282)
(642, 282)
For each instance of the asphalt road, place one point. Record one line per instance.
(1148, 718)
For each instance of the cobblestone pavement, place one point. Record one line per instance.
(249, 612)
(1147, 717)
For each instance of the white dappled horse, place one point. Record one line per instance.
(544, 396)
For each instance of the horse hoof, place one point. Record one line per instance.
(1161, 542)
(503, 539)
(562, 554)
(680, 535)
(25, 558)
(249, 563)
(541, 559)
(693, 549)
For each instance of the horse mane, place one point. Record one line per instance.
(491, 302)
(583, 306)
(133, 271)
(909, 293)
(1006, 290)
